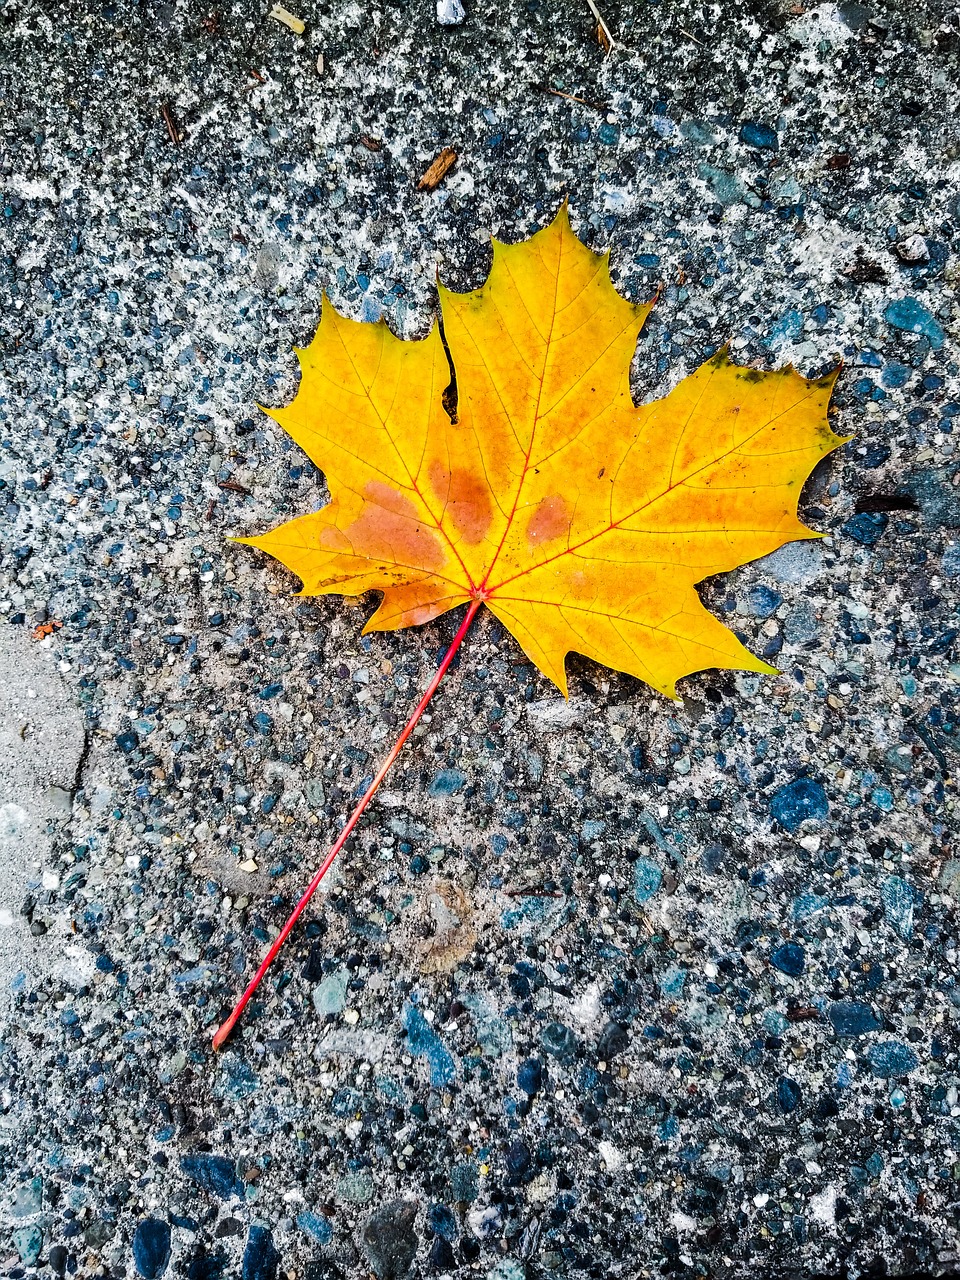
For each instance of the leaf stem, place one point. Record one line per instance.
(223, 1031)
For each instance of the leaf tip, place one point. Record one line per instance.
(276, 413)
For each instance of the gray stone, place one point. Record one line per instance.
(330, 995)
(390, 1240)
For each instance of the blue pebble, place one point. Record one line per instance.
(672, 980)
(238, 1079)
(127, 741)
(215, 1174)
(891, 1058)
(668, 1129)
(896, 375)
(314, 1224)
(371, 309)
(260, 1257)
(897, 898)
(867, 528)
(789, 958)
(559, 1041)
(876, 456)
(789, 327)
(647, 879)
(950, 564)
(910, 316)
(763, 601)
(270, 691)
(755, 134)
(448, 782)
(796, 801)
(423, 1041)
(882, 798)
(28, 1242)
(517, 1160)
(465, 1181)
(442, 1221)
(530, 1076)
(151, 1248)
(789, 1094)
(850, 1018)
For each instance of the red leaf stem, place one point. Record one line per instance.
(223, 1031)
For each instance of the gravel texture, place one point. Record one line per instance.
(611, 987)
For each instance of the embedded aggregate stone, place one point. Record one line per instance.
(390, 1239)
(260, 1257)
(213, 1173)
(437, 1033)
(850, 1018)
(151, 1248)
(789, 958)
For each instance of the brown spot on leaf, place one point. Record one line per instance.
(466, 500)
(550, 520)
(391, 529)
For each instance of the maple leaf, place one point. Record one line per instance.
(581, 520)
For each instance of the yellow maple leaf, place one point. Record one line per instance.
(583, 521)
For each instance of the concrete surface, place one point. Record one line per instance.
(42, 741)
(606, 988)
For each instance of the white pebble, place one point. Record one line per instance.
(450, 13)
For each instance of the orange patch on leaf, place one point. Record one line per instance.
(550, 520)
(392, 530)
(466, 499)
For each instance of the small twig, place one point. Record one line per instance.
(572, 97)
(691, 36)
(438, 170)
(803, 1013)
(174, 130)
(608, 39)
(233, 486)
(371, 144)
(256, 75)
(533, 893)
